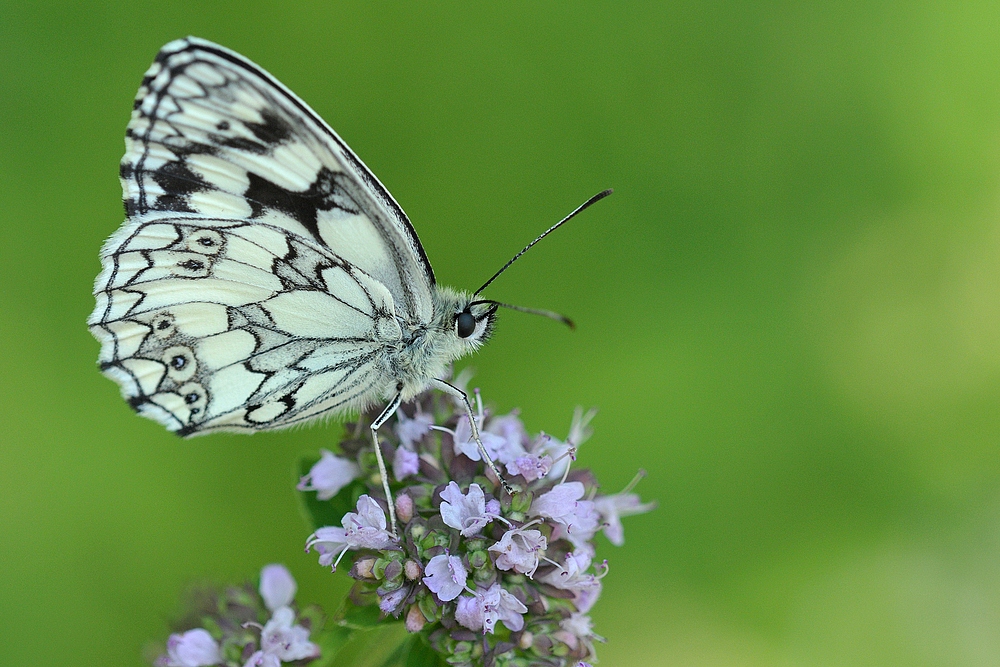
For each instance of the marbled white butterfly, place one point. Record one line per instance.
(264, 276)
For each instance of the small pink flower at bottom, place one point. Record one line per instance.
(277, 586)
(577, 626)
(282, 641)
(194, 648)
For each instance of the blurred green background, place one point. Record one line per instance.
(788, 313)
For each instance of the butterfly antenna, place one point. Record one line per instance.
(596, 198)
(552, 315)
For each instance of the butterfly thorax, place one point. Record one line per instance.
(425, 351)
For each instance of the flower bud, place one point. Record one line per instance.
(417, 531)
(404, 507)
(526, 640)
(412, 570)
(485, 576)
(477, 559)
(415, 619)
(363, 569)
(521, 502)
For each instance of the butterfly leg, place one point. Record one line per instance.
(389, 411)
(458, 393)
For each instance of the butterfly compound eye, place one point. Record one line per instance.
(465, 324)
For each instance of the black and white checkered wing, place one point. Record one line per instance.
(262, 268)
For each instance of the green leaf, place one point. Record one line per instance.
(386, 645)
(331, 641)
(330, 512)
(422, 655)
(352, 616)
(359, 636)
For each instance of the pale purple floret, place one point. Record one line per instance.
(572, 575)
(510, 429)
(329, 475)
(558, 504)
(530, 467)
(584, 598)
(364, 529)
(413, 430)
(465, 444)
(330, 542)
(470, 613)
(282, 641)
(194, 648)
(481, 612)
(575, 629)
(446, 576)
(612, 508)
(470, 512)
(563, 453)
(518, 550)
(389, 604)
(261, 659)
(277, 586)
(405, 463)
(578, 518)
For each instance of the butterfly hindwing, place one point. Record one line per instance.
(220, 324)
(214, 135)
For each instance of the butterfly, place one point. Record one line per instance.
(264, 277)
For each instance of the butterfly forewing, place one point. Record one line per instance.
(212, 134)
(262, 267)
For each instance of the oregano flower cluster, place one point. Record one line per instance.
(243, 627)
(486, 578)
(476, 576)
